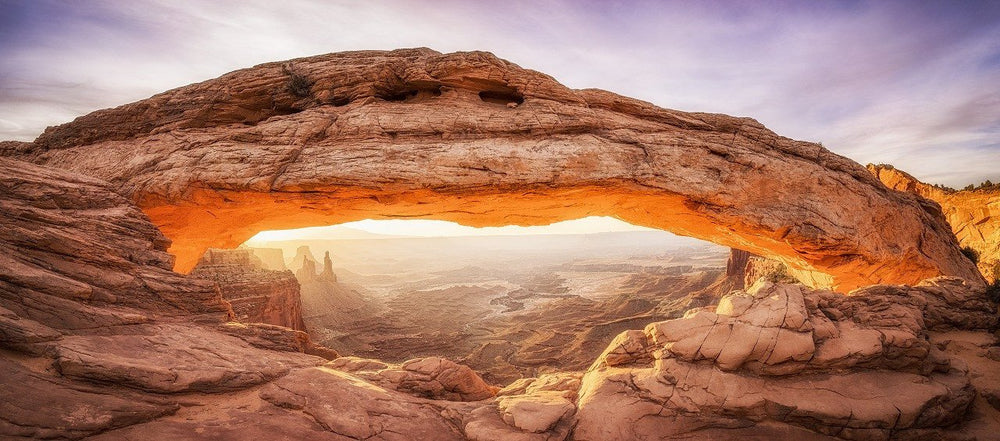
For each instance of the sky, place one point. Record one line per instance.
(911, 83)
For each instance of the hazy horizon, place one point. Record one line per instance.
(426, 228)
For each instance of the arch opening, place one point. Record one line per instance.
(509, 301)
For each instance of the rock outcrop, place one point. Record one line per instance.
(257, 294)
(302, 260)
(327, 273)
(271, 258)
(766, 356)
(75, 255)
(471, 138)
(743, 269)
(430, 377)
(974, 215)
(99, 339)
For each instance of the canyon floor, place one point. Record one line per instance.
(509, 307)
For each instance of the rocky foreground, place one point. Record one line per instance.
(102, 341)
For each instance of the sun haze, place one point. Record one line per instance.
(366, 229)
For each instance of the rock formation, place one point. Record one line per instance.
(271, 258)
(94, 325)
(766, 355)
(418, 134)
(431, 377)
(744, 268)
(328, 273)
(974, 215)
(76, 255)
(257, 295)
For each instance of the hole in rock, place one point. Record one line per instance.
(411, 92)
(504, 96)
(510, 302)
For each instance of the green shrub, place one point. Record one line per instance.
(993, 289)
(299, 85)
(972, 254)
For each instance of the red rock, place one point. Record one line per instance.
(257, 294)
(974, 216)
(418, 134)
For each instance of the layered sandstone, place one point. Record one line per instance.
(974, 215)
(76, 255)
(765, 356)
(257, 294)
(471, 138)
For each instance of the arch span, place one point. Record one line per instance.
(408, 134)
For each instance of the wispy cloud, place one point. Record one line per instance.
(910, 84)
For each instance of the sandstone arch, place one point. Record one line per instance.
(419, 134)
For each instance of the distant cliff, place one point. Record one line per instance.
(258, 295)
(974, 215)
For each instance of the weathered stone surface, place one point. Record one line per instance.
(348, 406)
(257, 294)
(264, 422)
(76, 255)
(974, 216)
(430, 377)
(420, 134)
(174, 358)
(530, 409)
(25, 335)
(38, 406)
(856, 367)
(277, 338)
(644, 404)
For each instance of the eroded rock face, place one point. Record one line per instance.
(359, 410)
(257, 294)
(766, 355)
(430, 377)
(69, 410)
(471, 138)
(974, 215)
(174, 358)
(75, 255)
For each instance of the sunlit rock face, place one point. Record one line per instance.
(257, 294)
(471, 138)
(974, 215)
(856, 367)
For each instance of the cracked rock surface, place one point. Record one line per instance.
(779, 353)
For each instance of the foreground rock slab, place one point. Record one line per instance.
(171, 358)
(348, 406)
(38, 406)
(778, 354)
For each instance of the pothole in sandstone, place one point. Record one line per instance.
(510, 302)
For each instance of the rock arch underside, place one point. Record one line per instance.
(474, 139)
(100, 338)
